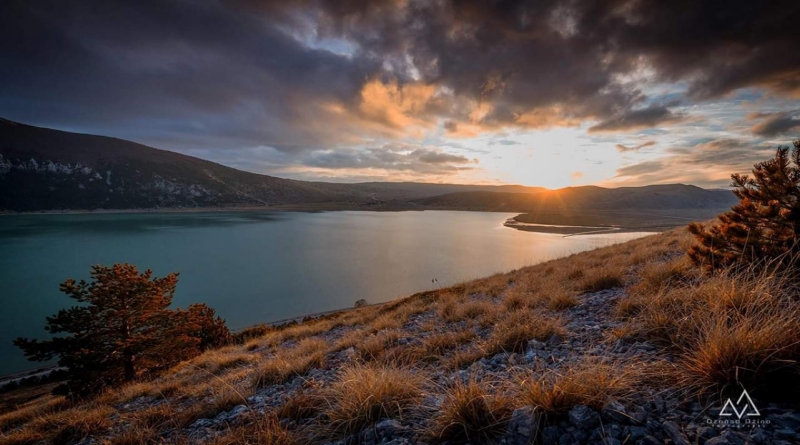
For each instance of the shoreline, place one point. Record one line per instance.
(512, 223)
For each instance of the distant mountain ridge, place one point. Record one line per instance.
(44, 169)
(567, 200)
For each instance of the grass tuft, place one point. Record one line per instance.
(362, 395)
(472, 412)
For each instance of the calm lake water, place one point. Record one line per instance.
(255, 267)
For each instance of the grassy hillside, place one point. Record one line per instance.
(624, 344)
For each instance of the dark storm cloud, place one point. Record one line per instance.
(775, 124)
(305, 75)
(191, 73)
(638, 119)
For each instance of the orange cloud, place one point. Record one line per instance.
(394, 106)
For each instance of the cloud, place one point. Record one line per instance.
(707, 163)
(776, 124)
(398, 157)
(638, 119)
(633, 148)
(318, 76)
(504, 142)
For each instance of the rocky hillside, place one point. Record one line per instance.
(44, 169)
(627, 344)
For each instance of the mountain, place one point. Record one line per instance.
(567, 200)
(655, 207)
(45, 169)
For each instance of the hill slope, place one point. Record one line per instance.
(45, 169)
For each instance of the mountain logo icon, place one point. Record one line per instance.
(743, 406)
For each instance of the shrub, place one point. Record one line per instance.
(764, 225)
(122, 329)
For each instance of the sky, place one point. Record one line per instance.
(541, 93)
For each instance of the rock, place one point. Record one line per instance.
(551, 434)
(390, 428)
(637, 432)
(566, 439)
(649, 440)
(727, 438)
(706, 432)
(202, 423)
(675, 433)
(554, 340)
(640, 414)
(583, 417)
(614, 412)
(522, 427)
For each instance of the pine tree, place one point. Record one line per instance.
(764, 225)
(122, 329)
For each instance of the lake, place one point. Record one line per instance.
(255, 267)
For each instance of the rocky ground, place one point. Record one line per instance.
(653, 417)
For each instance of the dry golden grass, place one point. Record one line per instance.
(222, 360)
(350, 339)
(516, 299)
(727, 329)
(264, 430)
(475, 309)
(601, 280)
(389, 320)
(439, 344)
(134, 435)
(472, 412)
(303, 405)
(73, 425)
(280, 369)
(373, 347)
(513, 332)
(363, 395)
(492, 286)
(465, 357)
(308, 354)
(591, 383)
(23, 437)
(32, 411)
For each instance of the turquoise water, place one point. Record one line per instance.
(255, 267)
